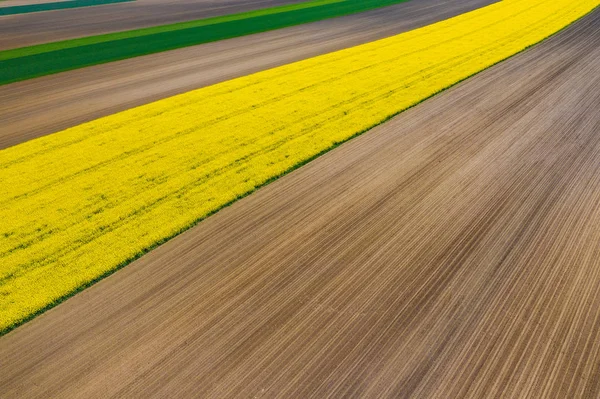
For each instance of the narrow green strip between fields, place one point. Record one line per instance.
(29, 62)
(59, 5)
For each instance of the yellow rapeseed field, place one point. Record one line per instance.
(79, 203)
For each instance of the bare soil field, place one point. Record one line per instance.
(46, 105)
(450, 252)
(10, 3)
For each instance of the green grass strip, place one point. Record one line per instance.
(29, 62)
(59, 5)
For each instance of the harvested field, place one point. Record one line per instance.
(46, 105)
(450, 252)
(129, 182)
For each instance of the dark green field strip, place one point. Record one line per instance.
(29, 62)
(59, 5)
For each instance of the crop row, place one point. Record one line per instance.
(80, 203)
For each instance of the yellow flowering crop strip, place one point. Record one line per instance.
(80, 203)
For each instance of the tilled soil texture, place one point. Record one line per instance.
(450, 252)
(49, 104)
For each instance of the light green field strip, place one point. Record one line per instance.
(81, 203)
